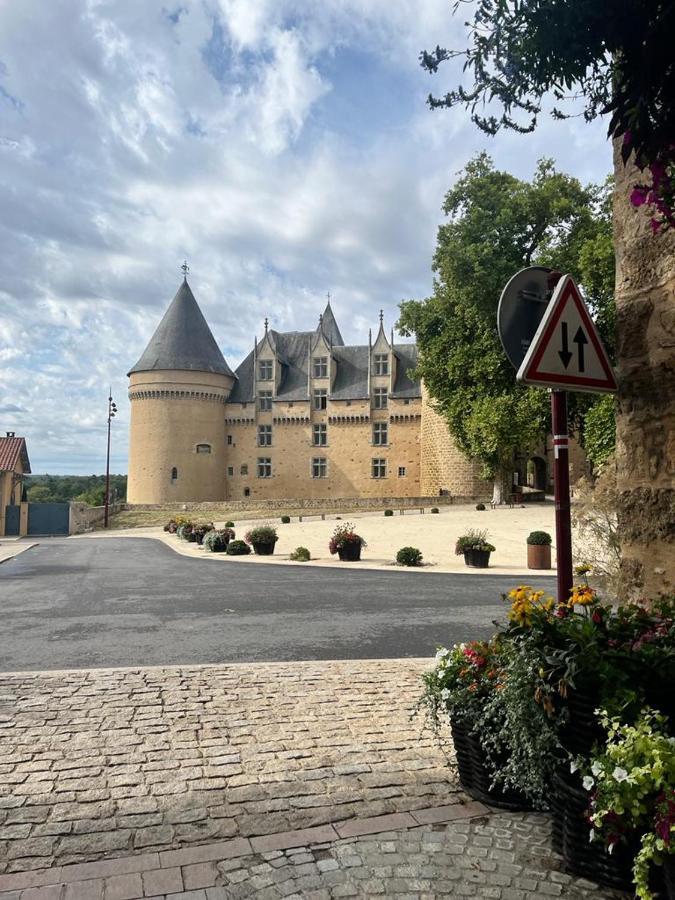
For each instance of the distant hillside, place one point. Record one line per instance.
(85, 488)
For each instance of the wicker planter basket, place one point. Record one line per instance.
(474, 776)
(266, 549)
(477, 559)
(582, 729)
(350, 552)
(571, 838)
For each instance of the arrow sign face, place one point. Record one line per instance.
(566, 351)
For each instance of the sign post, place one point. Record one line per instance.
(566, 352)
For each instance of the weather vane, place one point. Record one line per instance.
(185, 268)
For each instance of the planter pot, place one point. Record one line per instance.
(263, 549)
(571, 838)
(538, 556)
(477, 559)
(582, 728)
(191, 537)
(474, 776)
(350, 552)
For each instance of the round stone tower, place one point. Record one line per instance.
(177, 391)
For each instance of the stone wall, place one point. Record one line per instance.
(645, 298)
(443, 466)
(83, 518)
(311, 506)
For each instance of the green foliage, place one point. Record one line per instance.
(539, 538)
(619, 59)
(229, 525)
(82, 488)
(473, 540)
(409, 556)
(389, 512)
(434, 510)
(480, 507)
(262, 534)
(600, 430)
(285, 520)
(300, 554)
(497, 224)
(217, 541)
(238, 548)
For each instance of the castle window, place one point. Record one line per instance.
(247, 492)
(380, 398)
(379, 468)
(244, 469)
(320, 398)
(265, 401)
(401, 471)
(265, 369)
(381, 364)
(174, 474)
(319, 467)
(320, 435)
(264, 435)
(321, 367)
(203, 448)
(264, 467)
(380, 434)
(230, 471)
(406, 402)
(229, 439)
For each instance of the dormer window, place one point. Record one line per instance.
(381, 364)
(321, 367)
(203, 448)
(265, 369)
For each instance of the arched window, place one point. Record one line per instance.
(174, 474)
(203, 448)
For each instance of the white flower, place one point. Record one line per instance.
(445, 693)
(596, 768)
(591, 834)
(588, 782)
(610, 848)
(573, 767)
(620, 774)
(441, 654)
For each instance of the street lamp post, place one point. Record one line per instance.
(112, 409)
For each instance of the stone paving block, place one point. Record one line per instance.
(124, 887)
(84, 890)
(205, 853)
(200, 875)
(48, 892)
(375, 824)
(297, 838)
(162, 881)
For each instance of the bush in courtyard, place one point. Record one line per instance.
(200, 531)
(389, 512)
(262, 534)
(300, 554)
(434, 509)
(409, 556)
(238, 548)
(480, 507)
(229, 524)
(285, 520)
(185, 530)
(217, 541)
(539, 538)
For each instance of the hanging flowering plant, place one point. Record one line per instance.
(658, 193)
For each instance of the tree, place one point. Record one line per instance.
(615, 58)
(497, 225)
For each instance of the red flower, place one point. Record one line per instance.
(597, 616)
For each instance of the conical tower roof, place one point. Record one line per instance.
(183, 340)
(329, 326)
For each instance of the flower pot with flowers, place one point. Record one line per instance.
(262, 539)
(539, 550)
(475, 548)
(346, 543)
(200, 531)
(631, 796)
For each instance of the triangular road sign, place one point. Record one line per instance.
(566, 351)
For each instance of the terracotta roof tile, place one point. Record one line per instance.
(11, 450)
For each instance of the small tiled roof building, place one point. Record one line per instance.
(14, 464)
(303, 416)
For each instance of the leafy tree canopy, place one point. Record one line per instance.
(616, 54)
(497, 224)
(84, 488)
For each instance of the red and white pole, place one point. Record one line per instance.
(561, 481)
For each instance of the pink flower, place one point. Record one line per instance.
(638, 196)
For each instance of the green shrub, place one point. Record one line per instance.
(434, 509)
(229, 524)
(539, 538)
(285, 520)
(480, 507)
(262, 534)
(238, 548)
(409, 556)
(300, 554)
(389, 512)
(217, 541)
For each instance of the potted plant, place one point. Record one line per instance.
(262, 539)
(199, 531)
(539, 550)
(217, 540)
(346, 543)
(475, 548)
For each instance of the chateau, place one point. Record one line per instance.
(303, 416)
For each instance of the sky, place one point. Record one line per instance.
(283, 148)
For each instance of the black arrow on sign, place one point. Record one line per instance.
(565, 354)
(580, 339)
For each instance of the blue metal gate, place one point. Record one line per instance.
(48, 518)
(12, 518)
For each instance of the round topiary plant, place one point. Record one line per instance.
(300, 554)
(539, 538)
(480, 507)
(238, 548)
(229, 525)
(409, 556)
(389, 512)
(285, 520)
(434, 509)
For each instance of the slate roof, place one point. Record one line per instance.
(183, 340)
(330, 327)
(13, 449)
(406, 386)
(351, 378)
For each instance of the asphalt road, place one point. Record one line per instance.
(131, 602)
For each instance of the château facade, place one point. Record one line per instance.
(303, 416)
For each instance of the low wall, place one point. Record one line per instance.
(337, 504)
(84, 518)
